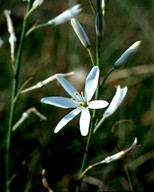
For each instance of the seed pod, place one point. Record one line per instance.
(80, 33)
(99, 25)
(127, 55)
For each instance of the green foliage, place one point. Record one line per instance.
(52, 50)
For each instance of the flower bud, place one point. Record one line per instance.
(37, 3)
(66, 15)
(116, 101)
(127, 55)
(80, 33)
(120, 154)
(103, 4)
(12, 38)
(99, 25)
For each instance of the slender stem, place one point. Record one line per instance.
(128, 177)
(91, 56)
(100, 123)
(37, 27)
(14, 91)
(92, 6)
(106, 76)
(84, 162)
(85, 158)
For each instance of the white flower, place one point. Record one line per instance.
(116, 101)
(81, 102)
(66, 15)
(127, 55)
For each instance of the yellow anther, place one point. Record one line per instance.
(75, 93)
(82, 93)
(72, 98)
(88, 101)
(76, 105)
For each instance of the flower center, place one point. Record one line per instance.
(83, 103)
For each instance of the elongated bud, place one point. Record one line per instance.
(66, 15)
(120, 154)
(99, 25)
(12, 38)
(127, 55)
(103, 4)
(80, 33)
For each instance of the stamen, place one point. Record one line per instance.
(88, 101)
(72, 98)
(75, 93)
(80, 105)
(76, 105)
(82, 93)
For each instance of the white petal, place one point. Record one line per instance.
(69, 88)
(84, 122)
(98, 104)
(116, 101)
(62, 102)
(66, 119)
(91, 83)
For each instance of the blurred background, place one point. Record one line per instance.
(48, 51)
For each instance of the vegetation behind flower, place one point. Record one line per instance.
(50, 50)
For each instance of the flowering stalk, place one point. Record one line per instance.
(85, 158)
(14, 92)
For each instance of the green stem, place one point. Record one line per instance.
(91, 56)
(85, 158)
(14, 91)
(92, 6)
(106, 76)
(100, 123)
(128, 177)
(37, 27)
(84, 162)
